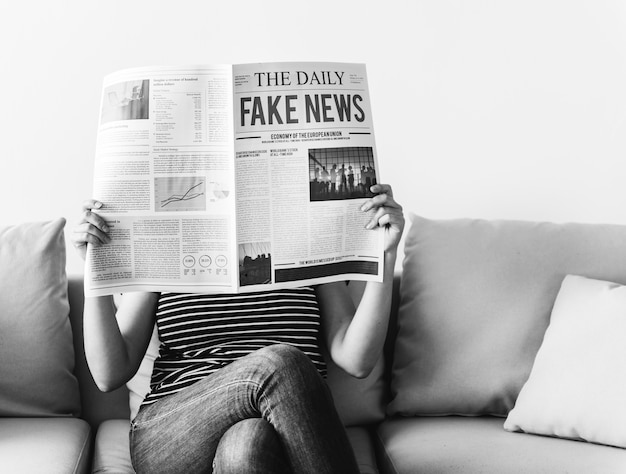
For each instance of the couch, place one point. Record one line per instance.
(504, 355)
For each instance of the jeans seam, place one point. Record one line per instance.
(266, 401)
(155, 419)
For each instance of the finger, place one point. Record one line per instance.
(381, 188)
(374, 202)
(383, 199)
(374, 221)
(82, 239)
(90, 204)
(379, 201)
(391, 202)
(392, 220)
(89, 233)
(386, 217)
(95, 219)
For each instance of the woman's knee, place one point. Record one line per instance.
(283, 357)
(290, 376)
(250, 446)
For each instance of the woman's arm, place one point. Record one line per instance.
(116, 339)
(355, 336)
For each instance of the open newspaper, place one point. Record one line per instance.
(234, 178)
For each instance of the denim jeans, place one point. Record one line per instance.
(295, 425)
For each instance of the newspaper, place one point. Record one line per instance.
(234, 178)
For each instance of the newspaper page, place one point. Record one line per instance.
(305, 160)
(219, 179)
(164, 173)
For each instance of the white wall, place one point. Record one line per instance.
(497, 109)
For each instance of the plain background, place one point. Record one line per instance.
(491, 109)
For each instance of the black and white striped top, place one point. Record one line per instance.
(202, 333)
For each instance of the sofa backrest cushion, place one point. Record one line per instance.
(36, 350)
(358, 401)
(475, 301)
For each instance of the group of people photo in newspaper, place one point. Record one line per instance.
(352, 178)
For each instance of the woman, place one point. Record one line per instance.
(260, 408)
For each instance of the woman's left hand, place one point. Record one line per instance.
(388, 215)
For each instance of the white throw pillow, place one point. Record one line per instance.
(577, 386)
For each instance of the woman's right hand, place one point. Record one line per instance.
(91, 228)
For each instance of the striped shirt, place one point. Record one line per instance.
(202, 333)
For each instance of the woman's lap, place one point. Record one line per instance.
(279, 384)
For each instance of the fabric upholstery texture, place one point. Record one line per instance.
(36, 350)
(112, 450)
(479, 445)
(577, 386)
(475, 301)
(54, 445)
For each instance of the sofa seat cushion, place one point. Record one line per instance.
(50, 445)
(468, 445)
(112, 452)
(363, 445)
